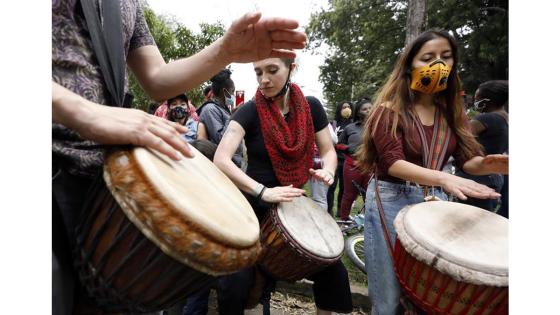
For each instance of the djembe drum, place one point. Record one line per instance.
(299, 238)
(452, 258)
(157, 230)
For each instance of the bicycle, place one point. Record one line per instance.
(353, 231)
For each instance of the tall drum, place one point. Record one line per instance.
(299, 238)
(157, 230)
(452, 258)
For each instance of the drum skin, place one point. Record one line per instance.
(282, 257)
(135, 253)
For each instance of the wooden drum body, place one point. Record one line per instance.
(452, 258)
(299, 239)
(160, 230)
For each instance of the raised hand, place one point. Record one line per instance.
(251, 38)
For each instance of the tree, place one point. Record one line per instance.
(415, 19)
(365, 38)
(174, 41)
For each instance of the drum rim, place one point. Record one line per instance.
(442, 261)
(240, 257)
(280, 222)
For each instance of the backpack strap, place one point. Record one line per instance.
(105, 29)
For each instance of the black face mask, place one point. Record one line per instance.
(178, 113)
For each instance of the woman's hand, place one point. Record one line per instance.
(496, 164)
(116, 125)
(252, 38)
(281, 194)
(322, 175)
(463, 188)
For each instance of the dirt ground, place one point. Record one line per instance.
(280, 304)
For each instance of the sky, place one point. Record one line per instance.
(192, 13)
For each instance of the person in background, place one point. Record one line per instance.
(490, 128)
(178, 107)
(349, 141)
(342, 117)
(215, 113)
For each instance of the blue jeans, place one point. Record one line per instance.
(383, 287)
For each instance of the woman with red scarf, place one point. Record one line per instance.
(279, 128)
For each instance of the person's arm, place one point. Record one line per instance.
(455, 185)
(249, 38)
(115, 125)
(201, 133)
(490, 164)
(476, 127)
(222, 159)
(328, 156)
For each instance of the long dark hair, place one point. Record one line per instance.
(222, 80)
(337, 117)
(356, 111)
(397, 97)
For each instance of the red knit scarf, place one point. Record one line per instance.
(289, 143)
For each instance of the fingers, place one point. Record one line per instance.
(171, 137)
(288, 36)
(243, 22)
(277, 23)
(323, 176)
(280, 53)
(287, 45)
(152, 141)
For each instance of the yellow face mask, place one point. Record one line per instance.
(431, 78)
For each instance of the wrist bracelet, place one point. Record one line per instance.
(259, 197)
(257, 190)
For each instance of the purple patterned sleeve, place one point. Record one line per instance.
(141, 35)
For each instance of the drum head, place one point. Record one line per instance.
(464, 240)
(312, 227)
(197, 191)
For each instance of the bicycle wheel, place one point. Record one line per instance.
(354, 247)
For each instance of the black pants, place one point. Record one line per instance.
(331, 290)
(338, 180)
(68, 195)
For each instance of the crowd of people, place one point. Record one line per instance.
(276, 143)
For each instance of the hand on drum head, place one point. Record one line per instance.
(251, 38)
(496, 164)
(463, 188)
(322, 175)
(115, 125)
(281, 194)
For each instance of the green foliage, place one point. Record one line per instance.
(174, 41)
(481, 29)
(365, 37)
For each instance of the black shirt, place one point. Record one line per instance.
(494, 138)
(352, 136)
(259, 165)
